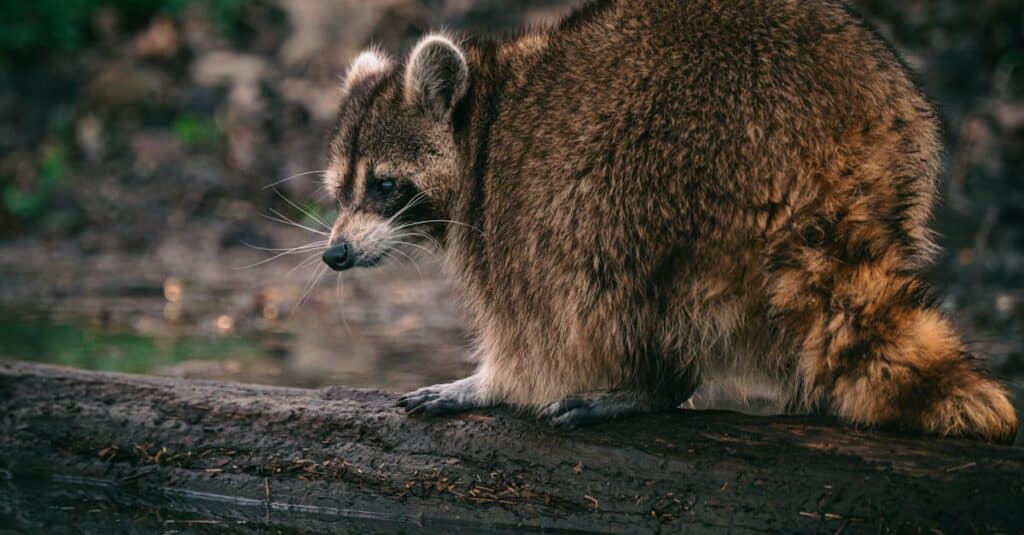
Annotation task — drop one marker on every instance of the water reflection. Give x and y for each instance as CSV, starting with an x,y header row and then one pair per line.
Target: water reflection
x,y
395,328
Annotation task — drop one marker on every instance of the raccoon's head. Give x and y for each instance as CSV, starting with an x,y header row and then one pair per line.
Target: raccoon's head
x,y
393,152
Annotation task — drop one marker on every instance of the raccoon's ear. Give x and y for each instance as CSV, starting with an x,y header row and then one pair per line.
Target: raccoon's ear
x,y
437,76
370,63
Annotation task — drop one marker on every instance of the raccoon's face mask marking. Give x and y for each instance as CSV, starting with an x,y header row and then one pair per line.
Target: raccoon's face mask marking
x,y
393,152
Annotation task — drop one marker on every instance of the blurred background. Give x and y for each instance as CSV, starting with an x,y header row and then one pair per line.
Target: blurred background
x,y
138,138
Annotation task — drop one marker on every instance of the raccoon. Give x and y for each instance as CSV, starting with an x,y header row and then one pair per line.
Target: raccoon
x,y
655,194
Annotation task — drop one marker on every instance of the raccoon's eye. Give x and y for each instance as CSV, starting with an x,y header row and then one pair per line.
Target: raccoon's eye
x,y
385,186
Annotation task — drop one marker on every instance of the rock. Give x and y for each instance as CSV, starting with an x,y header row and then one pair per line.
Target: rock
x,y
241,72
123,85
160,40
90,137
150,148
320,101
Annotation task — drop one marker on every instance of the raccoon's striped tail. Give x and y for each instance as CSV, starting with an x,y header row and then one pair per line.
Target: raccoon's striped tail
x,y
874,351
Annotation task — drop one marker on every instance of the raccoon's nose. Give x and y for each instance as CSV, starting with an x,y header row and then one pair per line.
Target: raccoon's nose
x,y
339,257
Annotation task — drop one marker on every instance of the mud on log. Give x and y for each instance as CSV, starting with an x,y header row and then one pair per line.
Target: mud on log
x,y
352,453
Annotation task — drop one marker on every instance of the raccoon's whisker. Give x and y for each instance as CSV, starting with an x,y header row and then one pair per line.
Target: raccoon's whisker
x,y
294,224
341,305
296,175
413,262
413,224
285,252
318,274
282,219
412,202
420,247
321,193
305,262
426,237
301,209
307,287
285,249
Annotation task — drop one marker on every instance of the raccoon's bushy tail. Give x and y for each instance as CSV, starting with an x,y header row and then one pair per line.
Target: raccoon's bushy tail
x,y
874,351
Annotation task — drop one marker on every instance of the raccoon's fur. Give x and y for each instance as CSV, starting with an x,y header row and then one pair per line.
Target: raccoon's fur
x,y
656,193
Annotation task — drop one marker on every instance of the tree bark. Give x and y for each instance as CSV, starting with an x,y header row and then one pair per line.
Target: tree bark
x,y
290,456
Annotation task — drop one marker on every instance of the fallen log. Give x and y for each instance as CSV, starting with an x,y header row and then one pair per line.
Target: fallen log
x,y
339,455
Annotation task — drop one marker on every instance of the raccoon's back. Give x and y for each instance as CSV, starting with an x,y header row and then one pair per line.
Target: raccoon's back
x,y
640,113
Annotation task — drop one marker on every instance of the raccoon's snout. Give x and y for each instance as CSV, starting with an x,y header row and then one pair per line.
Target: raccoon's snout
x,y
340,257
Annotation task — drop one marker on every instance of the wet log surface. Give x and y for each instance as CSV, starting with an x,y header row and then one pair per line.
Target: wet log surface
x,y
339,457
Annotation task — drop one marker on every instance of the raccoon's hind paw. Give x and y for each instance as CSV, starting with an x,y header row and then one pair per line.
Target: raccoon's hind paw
x,y
599,406
447,398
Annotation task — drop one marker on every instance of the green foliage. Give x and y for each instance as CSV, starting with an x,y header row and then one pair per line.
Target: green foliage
x,y
53,168
29,27
23,205
223,12
25,26
29,202
197,132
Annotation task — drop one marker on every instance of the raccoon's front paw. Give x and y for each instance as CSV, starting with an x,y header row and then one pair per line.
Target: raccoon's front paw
x,y
446,398
601,406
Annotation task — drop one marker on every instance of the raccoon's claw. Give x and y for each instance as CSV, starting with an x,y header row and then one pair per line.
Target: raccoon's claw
x,y
593,408
438,400
439,407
